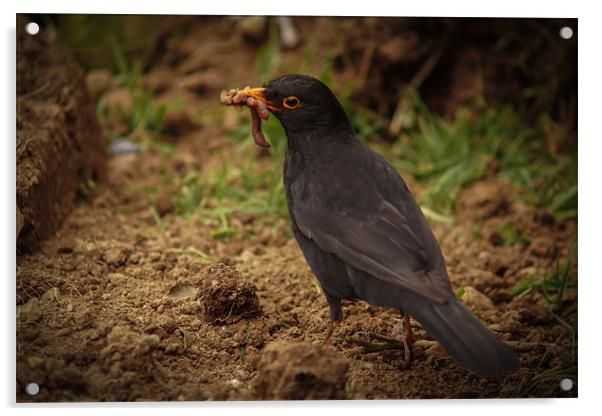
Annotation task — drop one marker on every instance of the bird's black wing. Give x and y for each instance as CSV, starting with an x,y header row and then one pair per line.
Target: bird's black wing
x,y
361,211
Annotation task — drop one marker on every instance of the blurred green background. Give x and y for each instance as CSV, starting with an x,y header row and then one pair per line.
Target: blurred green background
x,y
448,101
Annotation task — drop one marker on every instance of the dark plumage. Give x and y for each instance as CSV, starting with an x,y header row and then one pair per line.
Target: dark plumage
x,y
361,230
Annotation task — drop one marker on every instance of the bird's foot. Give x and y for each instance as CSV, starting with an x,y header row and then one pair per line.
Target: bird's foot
x,y
406,330
403,343
385,344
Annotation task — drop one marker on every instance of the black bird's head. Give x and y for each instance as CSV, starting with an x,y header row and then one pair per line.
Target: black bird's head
x,y
305,107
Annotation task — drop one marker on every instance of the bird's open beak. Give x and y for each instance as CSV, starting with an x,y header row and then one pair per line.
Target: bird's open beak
x,y
259,94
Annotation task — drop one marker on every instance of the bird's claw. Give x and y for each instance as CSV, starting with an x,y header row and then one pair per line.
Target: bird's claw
x,y
405,341
407,356
387,343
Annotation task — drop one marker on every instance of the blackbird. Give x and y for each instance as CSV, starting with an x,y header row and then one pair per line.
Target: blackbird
x,y
360,228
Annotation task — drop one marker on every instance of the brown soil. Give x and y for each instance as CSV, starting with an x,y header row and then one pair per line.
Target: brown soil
x,y
300,371
60,148
116,306
114,309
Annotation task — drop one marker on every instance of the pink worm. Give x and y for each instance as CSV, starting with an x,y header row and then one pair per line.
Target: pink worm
x,y
258,109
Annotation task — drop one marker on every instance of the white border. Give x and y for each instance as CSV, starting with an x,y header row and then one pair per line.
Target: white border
x,y
590,153
467,8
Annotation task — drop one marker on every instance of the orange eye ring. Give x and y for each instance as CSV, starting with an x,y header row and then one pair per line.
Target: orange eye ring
x,y
291,102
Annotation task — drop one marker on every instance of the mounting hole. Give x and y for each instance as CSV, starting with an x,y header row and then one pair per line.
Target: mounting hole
x,y
566,32
566,384
32,28
32,389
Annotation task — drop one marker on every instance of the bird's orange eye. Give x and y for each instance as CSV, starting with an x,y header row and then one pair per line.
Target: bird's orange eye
x,y
292,103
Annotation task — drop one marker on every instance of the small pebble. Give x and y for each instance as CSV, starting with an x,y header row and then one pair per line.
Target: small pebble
x,y
123,147
476,300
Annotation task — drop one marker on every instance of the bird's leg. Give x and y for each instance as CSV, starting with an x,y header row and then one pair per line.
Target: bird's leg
x,y
336,314
406,330
331,328
407,338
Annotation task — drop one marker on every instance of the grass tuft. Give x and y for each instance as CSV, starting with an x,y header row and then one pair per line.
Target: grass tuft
x,y
553,288
448,155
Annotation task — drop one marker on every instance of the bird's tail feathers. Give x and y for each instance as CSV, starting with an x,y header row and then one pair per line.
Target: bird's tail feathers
x,y
463,337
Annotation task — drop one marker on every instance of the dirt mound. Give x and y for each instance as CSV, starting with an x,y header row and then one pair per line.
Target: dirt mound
x,y
124,364
301,371
60,148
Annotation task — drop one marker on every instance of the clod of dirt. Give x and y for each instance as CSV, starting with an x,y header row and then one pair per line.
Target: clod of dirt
x,y
300,372
127,350
226,297
485,199
477,300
